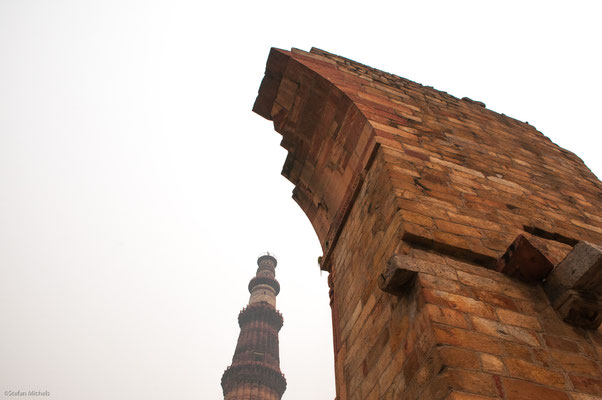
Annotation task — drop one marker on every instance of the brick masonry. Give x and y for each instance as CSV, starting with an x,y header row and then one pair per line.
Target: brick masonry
x,y
393,174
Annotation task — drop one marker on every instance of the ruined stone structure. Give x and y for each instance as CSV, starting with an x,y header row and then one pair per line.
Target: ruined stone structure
x,y
463,246
255,370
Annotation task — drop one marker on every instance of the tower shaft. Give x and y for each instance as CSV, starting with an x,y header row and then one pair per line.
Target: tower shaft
x,y
255,370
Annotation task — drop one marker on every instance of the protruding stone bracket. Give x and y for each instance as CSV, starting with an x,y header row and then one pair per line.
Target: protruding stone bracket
x,y
401,270
524,261
575,286
396,280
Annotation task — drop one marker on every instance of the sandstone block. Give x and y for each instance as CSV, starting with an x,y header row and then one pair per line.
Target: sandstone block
x,y
560,343
446,316
575,286
461,303
524,261
401,271
456,395
503,331
471,381
516,389
535,373
518,319
492,364
467,339
459,358
576,363
587,384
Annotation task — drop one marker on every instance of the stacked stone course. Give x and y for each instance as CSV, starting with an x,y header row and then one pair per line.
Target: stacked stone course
x,y
440,221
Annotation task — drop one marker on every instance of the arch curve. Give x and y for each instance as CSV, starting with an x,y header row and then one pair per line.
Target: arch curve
x,y
306,100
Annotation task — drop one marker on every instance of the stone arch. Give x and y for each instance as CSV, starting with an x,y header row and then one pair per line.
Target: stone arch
x,y
416,196
307,102
447,159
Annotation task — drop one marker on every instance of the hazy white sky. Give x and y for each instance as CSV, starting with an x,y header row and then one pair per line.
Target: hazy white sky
x,y
137,188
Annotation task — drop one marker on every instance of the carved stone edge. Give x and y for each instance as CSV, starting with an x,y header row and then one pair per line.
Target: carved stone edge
x,y
574,286
401,271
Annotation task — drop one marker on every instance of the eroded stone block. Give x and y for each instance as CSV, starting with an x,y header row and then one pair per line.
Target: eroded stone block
x,y
397,276
401,270
524,261
574,287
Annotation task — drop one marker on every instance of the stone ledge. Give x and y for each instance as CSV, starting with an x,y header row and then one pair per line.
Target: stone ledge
x,y
401,271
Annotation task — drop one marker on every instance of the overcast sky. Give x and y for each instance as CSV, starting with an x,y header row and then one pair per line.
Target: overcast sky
x,y
137,188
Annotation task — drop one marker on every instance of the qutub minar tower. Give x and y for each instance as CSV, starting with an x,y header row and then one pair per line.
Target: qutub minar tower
x,y
255,370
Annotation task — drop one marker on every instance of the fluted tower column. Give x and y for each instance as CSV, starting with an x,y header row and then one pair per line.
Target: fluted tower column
x,y
255,370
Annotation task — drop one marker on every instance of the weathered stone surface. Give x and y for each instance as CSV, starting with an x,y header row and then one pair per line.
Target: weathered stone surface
x,y
518,319
580,310
459,358
492,364
575,286
576,363
416,193
587,384
516,389
524,261
580,270
535,373
401,271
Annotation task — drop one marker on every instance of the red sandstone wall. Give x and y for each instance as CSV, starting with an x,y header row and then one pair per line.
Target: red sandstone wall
x,y
384,167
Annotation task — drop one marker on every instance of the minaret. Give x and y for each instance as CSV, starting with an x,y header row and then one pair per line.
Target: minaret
x,y
255,370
